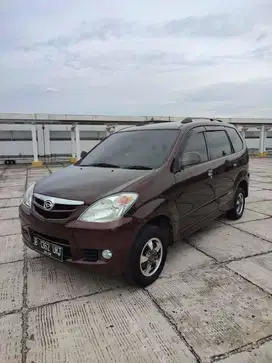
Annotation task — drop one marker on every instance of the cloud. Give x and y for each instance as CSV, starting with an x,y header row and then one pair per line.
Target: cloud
x,y
51,90
98,30
233,23
240,98
121,58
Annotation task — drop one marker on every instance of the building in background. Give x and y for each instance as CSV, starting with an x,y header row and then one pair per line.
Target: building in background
x,y
61,138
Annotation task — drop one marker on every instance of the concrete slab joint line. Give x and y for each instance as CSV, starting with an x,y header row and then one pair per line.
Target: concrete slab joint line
x,y
256,269
168,318
145,335
193,305
260,349
259,354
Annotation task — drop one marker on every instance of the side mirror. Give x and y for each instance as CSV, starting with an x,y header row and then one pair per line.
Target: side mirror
x,y
83,154
189,159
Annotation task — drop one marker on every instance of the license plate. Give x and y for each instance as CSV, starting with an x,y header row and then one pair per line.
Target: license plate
x,y
48,248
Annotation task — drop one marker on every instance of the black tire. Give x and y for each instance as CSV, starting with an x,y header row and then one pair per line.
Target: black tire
x,y
134,274
237,212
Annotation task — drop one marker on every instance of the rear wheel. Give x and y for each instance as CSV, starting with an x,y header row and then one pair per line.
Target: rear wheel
x,y
147,256
239,205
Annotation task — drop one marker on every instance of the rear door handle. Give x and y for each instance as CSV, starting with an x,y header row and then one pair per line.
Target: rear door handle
x,y
230,165
210,173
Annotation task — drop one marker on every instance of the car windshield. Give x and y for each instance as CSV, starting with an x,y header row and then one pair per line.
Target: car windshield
x,y
143,149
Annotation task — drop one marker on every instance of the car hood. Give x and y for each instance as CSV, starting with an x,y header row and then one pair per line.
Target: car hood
x,y
87,183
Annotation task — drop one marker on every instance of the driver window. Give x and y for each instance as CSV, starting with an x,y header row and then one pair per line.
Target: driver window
x,y
195,151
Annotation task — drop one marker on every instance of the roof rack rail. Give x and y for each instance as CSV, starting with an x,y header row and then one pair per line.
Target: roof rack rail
x,y
151,121
144,123
191,119
216,119
187,120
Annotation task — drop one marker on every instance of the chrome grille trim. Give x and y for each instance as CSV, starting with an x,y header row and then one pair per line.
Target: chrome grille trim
x,y
58,200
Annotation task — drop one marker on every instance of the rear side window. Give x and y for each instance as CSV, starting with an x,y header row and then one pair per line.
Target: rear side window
x,y
235,139
218,144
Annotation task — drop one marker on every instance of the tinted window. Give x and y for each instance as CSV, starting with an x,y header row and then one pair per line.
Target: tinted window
x,y
218,144
146,148
196,144
235,139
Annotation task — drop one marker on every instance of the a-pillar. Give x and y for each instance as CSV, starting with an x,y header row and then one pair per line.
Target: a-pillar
x,y
36,161
78,149
262,148
73,158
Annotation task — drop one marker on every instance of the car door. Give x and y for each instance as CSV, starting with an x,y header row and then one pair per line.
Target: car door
x,y
195,198
222,156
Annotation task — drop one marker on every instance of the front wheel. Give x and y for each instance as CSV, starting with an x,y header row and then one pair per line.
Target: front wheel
x,y
239,205
147,256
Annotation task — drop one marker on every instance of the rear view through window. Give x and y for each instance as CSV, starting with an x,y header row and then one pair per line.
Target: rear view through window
x,y
218,144
235,139
143,149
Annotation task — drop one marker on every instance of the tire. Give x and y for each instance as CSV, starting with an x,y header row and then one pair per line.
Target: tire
x,y
239,205
137,273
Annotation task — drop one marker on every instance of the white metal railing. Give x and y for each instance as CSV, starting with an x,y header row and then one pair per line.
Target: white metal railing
x,y
40,125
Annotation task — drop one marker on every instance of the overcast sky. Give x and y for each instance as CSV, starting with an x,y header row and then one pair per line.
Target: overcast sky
x,y
128,57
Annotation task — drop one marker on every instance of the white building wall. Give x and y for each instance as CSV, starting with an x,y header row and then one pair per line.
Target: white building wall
x,y
64,147
51,139
16,148
56,139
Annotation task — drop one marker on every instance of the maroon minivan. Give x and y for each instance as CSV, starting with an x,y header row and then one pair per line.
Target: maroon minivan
x,y
143,188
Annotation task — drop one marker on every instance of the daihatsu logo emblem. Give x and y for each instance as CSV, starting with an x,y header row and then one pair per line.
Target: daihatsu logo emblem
x,y
48,205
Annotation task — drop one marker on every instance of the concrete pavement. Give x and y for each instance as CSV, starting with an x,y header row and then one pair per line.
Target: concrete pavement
x,y
213,301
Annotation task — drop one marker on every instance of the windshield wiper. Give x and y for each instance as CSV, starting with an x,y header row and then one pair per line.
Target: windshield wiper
x,y
104,165
137,167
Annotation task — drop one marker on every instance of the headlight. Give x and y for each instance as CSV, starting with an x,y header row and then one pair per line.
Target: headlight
x,y
110,208
28,196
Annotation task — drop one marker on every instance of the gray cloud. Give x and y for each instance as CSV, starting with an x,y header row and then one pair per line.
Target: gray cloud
x,y
262,36
132,60
120,58
262,52
219,25
215,25
224,24
51,90
234,98
98,30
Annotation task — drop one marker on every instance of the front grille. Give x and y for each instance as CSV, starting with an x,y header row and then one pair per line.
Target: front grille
x,y
58,211
53,214
90,254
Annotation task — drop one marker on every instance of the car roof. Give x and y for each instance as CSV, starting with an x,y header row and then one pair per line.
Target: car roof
x,y
175,125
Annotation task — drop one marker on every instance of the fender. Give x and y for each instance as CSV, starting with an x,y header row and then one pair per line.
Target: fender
x,y
243,175
157,208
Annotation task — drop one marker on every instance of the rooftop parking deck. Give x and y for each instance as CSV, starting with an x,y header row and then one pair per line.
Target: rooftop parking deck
x,y
213,301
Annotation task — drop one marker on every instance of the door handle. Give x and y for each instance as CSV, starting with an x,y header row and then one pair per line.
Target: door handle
x,y
231,164
210,173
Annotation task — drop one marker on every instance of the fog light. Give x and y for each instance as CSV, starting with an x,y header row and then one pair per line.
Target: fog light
x,y
107,254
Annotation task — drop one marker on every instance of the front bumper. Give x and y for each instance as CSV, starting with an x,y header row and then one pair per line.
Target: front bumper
x,y
83,242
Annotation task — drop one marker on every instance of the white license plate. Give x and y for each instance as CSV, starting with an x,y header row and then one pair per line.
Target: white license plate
x,y
48,248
